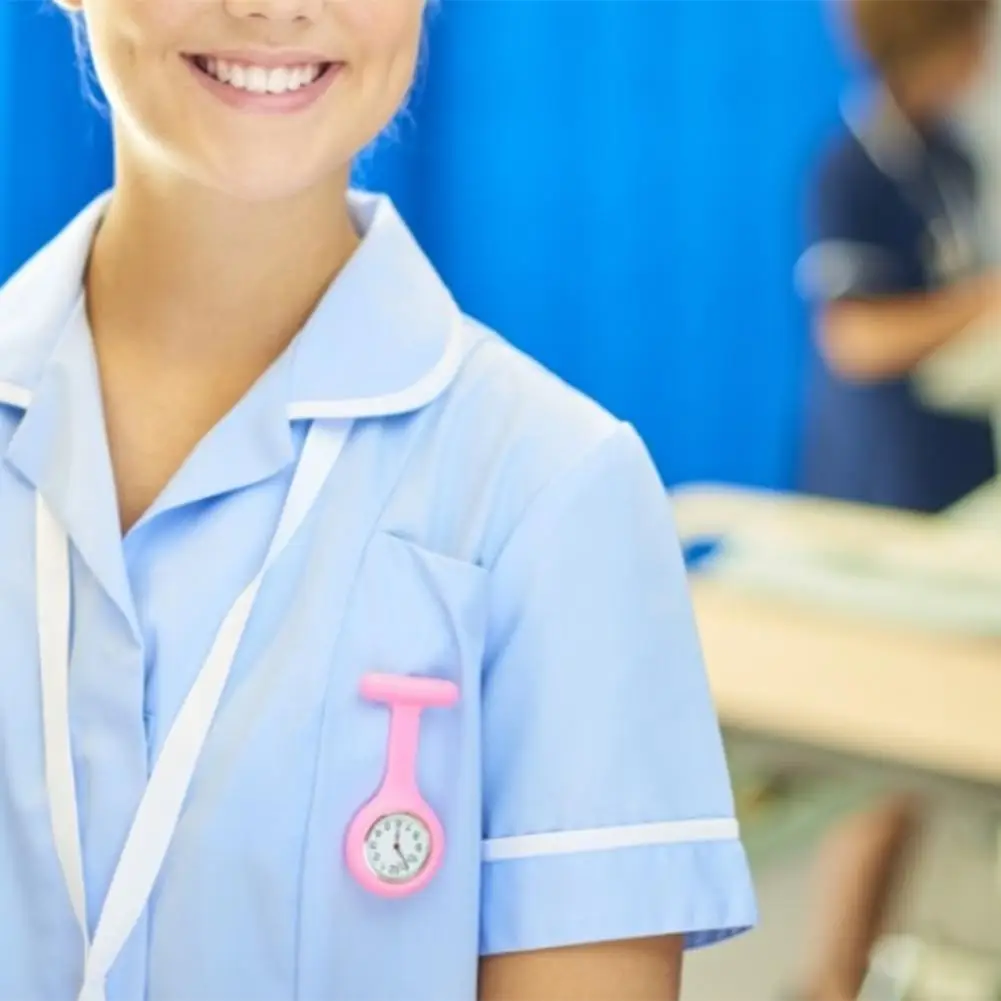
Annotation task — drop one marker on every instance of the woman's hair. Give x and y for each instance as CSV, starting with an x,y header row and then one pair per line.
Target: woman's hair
x,y
88,79
895,34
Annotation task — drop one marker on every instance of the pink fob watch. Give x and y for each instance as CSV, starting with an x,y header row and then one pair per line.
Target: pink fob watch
x,y
395,843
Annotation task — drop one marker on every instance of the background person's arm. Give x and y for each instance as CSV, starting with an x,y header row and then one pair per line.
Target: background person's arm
x,y
882,338
880,307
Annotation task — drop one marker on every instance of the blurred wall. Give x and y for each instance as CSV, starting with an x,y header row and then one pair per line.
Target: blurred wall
x,y
615,185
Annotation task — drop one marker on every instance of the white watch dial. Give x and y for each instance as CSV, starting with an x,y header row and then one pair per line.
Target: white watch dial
x,y
398,847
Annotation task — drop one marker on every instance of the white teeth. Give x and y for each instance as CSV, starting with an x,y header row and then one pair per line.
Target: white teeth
x,y
260,79
257,80
279,81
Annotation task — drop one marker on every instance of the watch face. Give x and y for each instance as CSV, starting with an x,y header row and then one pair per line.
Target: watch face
x,y
398,847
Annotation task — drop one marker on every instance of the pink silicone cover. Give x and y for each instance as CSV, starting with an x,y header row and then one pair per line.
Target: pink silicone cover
x,y
406,698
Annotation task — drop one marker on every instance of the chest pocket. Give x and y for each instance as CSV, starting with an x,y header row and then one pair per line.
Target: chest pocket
x,y
415,613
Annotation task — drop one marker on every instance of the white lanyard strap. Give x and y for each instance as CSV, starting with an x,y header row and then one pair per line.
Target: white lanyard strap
x,y
957,211
159,809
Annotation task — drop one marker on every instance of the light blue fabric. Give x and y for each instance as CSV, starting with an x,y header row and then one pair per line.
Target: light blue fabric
x,y
484,524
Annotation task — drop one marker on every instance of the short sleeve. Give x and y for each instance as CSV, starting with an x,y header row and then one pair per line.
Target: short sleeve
x,y
608,811
865,238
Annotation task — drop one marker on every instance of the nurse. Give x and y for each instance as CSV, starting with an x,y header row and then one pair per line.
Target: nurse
x,y
347,652
894,272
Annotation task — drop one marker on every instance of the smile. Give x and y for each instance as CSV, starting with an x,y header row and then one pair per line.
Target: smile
x,y
272,86
261,79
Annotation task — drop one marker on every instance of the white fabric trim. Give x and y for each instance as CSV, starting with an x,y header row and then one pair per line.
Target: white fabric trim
x,y
426,389
833,268
15,396
604,839
883,131
29,308
159,810
52,582
895,146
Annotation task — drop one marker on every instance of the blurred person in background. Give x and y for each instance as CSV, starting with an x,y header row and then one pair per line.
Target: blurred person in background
x,y
894,272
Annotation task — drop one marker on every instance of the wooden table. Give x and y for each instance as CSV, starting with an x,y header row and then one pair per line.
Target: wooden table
x,y
927,703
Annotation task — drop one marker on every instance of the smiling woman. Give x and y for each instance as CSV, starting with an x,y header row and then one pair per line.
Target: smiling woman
x,y
345,644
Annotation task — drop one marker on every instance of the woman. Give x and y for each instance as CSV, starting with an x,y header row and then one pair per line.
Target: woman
x,y
348,652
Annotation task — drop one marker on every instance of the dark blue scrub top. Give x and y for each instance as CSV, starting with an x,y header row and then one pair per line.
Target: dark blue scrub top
x,y
892,212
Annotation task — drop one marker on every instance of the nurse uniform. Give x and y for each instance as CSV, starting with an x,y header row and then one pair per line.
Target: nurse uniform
x,y
191,717
893,213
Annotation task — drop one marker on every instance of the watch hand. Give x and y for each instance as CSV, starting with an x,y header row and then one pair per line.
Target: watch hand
x,y
402,858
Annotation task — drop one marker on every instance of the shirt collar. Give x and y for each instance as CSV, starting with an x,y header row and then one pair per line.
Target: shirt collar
x,y
386,338
883,131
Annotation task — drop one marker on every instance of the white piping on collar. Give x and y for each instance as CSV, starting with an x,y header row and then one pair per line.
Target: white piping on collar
x,y
426,389
420,393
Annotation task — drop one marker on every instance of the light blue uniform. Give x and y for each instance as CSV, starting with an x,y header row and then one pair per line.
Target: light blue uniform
x,y
480,523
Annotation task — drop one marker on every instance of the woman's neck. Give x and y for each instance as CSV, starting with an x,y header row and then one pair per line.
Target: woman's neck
x,y
190,272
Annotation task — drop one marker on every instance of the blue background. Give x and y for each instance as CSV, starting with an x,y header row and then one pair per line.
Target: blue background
x,y
614,184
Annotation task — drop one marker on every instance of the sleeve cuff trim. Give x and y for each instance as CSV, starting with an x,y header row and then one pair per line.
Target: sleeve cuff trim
x,y
610,838
836,268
